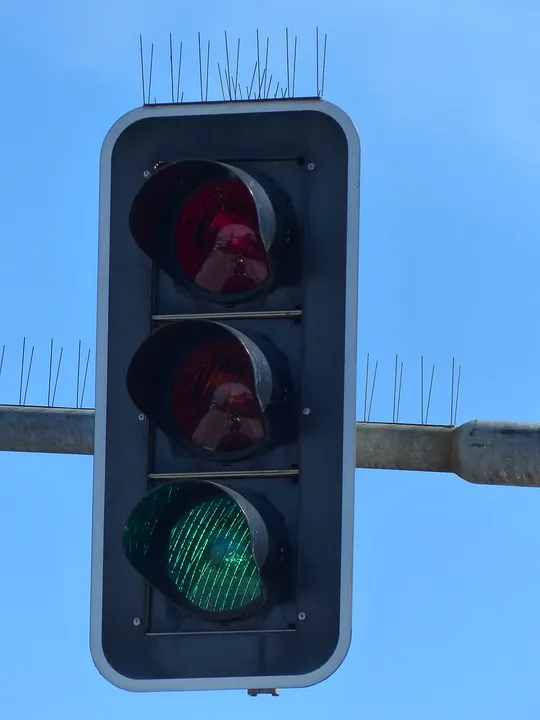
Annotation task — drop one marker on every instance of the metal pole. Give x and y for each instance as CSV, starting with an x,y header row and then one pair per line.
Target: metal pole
x,y
68,431
479,451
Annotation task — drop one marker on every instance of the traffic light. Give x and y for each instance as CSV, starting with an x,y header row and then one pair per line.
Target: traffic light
x,y
225,396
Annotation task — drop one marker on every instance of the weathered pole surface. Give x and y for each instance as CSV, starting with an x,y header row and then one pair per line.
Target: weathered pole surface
x,y
69,431
480,451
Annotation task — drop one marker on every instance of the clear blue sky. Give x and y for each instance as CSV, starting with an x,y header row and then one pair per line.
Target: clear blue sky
x,y
446,98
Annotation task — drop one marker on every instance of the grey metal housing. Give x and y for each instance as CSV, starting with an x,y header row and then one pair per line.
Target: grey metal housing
x,y
323,135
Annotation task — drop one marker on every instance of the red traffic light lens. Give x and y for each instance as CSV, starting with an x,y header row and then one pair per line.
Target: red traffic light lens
x,y
214,398
217,240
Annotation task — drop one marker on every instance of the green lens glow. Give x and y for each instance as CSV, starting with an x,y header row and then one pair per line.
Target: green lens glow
x,y
210,559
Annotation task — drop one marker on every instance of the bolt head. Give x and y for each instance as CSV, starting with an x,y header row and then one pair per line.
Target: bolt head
x,y
301,615
311,166
146,174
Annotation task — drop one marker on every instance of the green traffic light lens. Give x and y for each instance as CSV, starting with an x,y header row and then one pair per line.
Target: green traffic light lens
x,y
204,546
210,558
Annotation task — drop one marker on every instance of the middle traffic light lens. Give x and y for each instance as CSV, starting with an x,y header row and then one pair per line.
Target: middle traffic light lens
x,y
217,238
210,558
214,398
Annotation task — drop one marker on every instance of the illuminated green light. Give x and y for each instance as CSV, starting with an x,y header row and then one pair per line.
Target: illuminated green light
x,y
210,559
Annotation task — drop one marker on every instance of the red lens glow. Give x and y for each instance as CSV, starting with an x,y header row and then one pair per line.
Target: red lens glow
x,y
217,239
214,399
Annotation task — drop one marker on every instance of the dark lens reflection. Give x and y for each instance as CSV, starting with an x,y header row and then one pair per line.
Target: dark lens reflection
x,y
214,399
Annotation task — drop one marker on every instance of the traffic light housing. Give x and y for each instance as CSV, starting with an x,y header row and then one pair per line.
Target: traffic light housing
x,y
225,396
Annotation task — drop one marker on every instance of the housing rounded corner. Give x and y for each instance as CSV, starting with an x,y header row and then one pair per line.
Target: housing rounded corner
x,y
344,122
331,665
107,671
115,131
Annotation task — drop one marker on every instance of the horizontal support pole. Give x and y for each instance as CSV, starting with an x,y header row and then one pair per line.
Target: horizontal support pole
x,y
479,451
67,431
396,446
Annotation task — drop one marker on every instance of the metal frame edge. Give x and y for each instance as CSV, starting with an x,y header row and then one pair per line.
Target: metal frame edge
x,y
349,415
